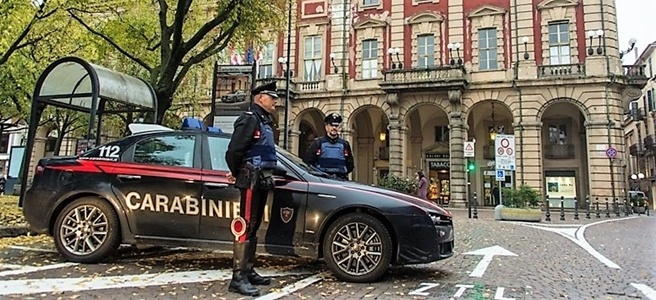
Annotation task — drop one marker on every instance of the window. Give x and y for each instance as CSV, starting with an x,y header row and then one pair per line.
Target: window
x,y
266,62
487,49
650,100
426,51
634,109
312,58
4,143
441,133
218,147
369,59
175,151
557,134
369,2
559,43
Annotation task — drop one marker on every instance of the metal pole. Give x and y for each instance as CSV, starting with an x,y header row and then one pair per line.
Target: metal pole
x,y
215,79
288,76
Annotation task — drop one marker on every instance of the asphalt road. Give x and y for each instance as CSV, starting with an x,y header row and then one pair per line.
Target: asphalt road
x,y
597,258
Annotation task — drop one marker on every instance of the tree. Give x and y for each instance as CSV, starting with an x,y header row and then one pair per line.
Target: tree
x,y
167,38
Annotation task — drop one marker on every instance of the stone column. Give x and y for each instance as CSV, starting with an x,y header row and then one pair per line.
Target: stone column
x,y
603,174
293,142
397,139
364,161
529,168
458,173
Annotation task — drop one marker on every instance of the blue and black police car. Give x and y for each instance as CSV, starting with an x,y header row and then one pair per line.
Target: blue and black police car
x,y
161,186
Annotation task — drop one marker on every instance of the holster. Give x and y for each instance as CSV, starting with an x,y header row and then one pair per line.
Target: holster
x,y
254,178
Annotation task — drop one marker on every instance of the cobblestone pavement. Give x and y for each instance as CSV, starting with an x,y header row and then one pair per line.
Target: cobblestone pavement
x,y
616,259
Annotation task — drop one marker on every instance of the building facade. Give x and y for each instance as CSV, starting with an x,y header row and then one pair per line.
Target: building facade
x,y
640,134
416,79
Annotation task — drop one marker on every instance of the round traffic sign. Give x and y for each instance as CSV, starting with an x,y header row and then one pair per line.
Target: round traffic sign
x,y
611,152
500,151
505,143
509,151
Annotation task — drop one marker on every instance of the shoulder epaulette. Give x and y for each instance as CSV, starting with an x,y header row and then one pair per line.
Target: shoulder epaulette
x,y
248,112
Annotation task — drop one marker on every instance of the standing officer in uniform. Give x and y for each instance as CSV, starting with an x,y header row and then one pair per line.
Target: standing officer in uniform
x,y
330,153
251,157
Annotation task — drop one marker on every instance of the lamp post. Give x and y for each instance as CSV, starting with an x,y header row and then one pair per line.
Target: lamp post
x,y
398,64
455,46
525,41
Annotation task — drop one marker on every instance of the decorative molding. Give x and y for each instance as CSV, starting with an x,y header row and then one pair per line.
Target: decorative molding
x,y
557,3
423,17
486,10
369,23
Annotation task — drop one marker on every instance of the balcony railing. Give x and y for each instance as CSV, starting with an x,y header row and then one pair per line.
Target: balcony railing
x,y
309,86
564,151
571,70
634,72
424,78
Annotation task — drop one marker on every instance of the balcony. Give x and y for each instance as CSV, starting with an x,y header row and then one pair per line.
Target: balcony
x,y
281,85
429,79
488,152
565,151
636,150
311,86
650,142
635,75
560,71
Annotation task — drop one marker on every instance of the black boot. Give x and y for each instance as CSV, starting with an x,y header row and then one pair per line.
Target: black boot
x,y
239,282
253,277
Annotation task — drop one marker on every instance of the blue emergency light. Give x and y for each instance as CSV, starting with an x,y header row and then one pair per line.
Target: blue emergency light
x,y
189,123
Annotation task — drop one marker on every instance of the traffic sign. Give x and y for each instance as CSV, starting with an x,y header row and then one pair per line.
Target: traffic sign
x,y
611,152
501,175
469,149
504,150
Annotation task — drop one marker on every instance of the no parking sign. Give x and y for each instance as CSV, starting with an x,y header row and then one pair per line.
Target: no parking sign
x,y
504,150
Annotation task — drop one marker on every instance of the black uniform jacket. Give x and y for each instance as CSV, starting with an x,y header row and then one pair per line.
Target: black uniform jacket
x,y
311,155
242,136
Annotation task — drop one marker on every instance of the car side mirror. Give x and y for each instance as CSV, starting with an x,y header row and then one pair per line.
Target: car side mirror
x,y
279,171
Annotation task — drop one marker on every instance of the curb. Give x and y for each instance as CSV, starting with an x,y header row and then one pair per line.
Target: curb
x,y
13,231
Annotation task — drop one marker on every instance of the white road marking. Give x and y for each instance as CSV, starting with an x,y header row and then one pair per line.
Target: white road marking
x,y
488,253
29,269
299,285
649,292
577,236
48,285
32,249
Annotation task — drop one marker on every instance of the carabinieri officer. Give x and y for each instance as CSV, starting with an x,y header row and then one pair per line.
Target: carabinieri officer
x,y
330,153
251,157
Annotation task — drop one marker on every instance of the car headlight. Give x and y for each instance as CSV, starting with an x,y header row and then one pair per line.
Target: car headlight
x,y
439,219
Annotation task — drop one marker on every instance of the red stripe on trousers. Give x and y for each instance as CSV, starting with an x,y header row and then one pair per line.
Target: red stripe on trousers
x,y
247,213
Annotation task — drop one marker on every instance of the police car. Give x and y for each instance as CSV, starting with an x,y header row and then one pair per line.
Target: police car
x,y
161,186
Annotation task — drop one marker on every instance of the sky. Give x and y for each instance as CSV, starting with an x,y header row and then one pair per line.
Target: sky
x,y
634,21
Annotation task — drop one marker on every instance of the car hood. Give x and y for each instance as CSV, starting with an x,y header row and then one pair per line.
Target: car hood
x,y
409,199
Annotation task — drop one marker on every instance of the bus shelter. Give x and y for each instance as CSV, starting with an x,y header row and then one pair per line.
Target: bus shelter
x,y
76,84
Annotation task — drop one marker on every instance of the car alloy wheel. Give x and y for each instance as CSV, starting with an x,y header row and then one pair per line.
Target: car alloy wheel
x,y
358,248
87,230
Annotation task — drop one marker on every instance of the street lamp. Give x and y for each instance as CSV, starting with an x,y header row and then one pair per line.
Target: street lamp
x,y
632,43
525,41
398,64
39,4
456,46
332,61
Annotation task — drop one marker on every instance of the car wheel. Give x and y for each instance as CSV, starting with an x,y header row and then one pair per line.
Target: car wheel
x,y
357,248
87,230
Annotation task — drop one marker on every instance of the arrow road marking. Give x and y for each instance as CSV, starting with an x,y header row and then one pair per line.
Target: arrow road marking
x,y
488,253
649,292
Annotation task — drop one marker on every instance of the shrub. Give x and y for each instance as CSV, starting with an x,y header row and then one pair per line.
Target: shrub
x,y
524,197
400,184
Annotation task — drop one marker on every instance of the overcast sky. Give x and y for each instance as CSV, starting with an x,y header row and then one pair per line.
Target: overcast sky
x,y
634,19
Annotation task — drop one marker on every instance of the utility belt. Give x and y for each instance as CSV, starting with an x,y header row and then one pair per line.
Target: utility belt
x,y
254,178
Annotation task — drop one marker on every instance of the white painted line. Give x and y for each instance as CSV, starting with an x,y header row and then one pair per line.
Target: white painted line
x,y
577,236
10,266
32,249
30,269
649,292
488,253
299,285
49,285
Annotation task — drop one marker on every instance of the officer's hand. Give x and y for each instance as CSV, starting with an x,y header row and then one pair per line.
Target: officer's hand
x,y
231,178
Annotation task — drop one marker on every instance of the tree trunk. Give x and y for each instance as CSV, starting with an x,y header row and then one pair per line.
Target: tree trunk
x,y
164,99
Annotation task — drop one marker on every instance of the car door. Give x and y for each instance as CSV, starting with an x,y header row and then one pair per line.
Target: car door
x,y
159,183
284,215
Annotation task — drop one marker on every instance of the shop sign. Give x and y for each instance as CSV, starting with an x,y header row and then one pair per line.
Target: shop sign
x,y
436,155
439,165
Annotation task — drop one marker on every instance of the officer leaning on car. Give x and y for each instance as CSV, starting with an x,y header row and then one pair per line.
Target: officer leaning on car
x,y
251,157
330,153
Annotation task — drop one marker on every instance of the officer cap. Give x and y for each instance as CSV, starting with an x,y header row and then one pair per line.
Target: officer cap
x,y
333,119
268,89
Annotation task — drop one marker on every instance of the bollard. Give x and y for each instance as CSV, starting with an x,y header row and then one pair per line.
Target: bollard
x,y
617,208
576,209
607,209
587,207
597,207
469,208
475,207
562,209
548,213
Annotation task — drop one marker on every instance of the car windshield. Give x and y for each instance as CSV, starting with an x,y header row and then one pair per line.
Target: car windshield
x,y
301,164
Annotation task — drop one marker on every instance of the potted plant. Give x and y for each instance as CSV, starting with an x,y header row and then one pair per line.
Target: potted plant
x,y
522,204
400,184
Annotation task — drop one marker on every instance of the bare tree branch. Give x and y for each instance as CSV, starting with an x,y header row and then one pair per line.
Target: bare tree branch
x,y
211,24
218,44
165,49
111,42
180,13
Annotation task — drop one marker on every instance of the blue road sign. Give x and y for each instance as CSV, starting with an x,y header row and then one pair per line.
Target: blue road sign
x,y
501,175
611,152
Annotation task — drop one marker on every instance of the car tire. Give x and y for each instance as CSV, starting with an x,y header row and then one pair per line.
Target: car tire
x,y
87,230
357,259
